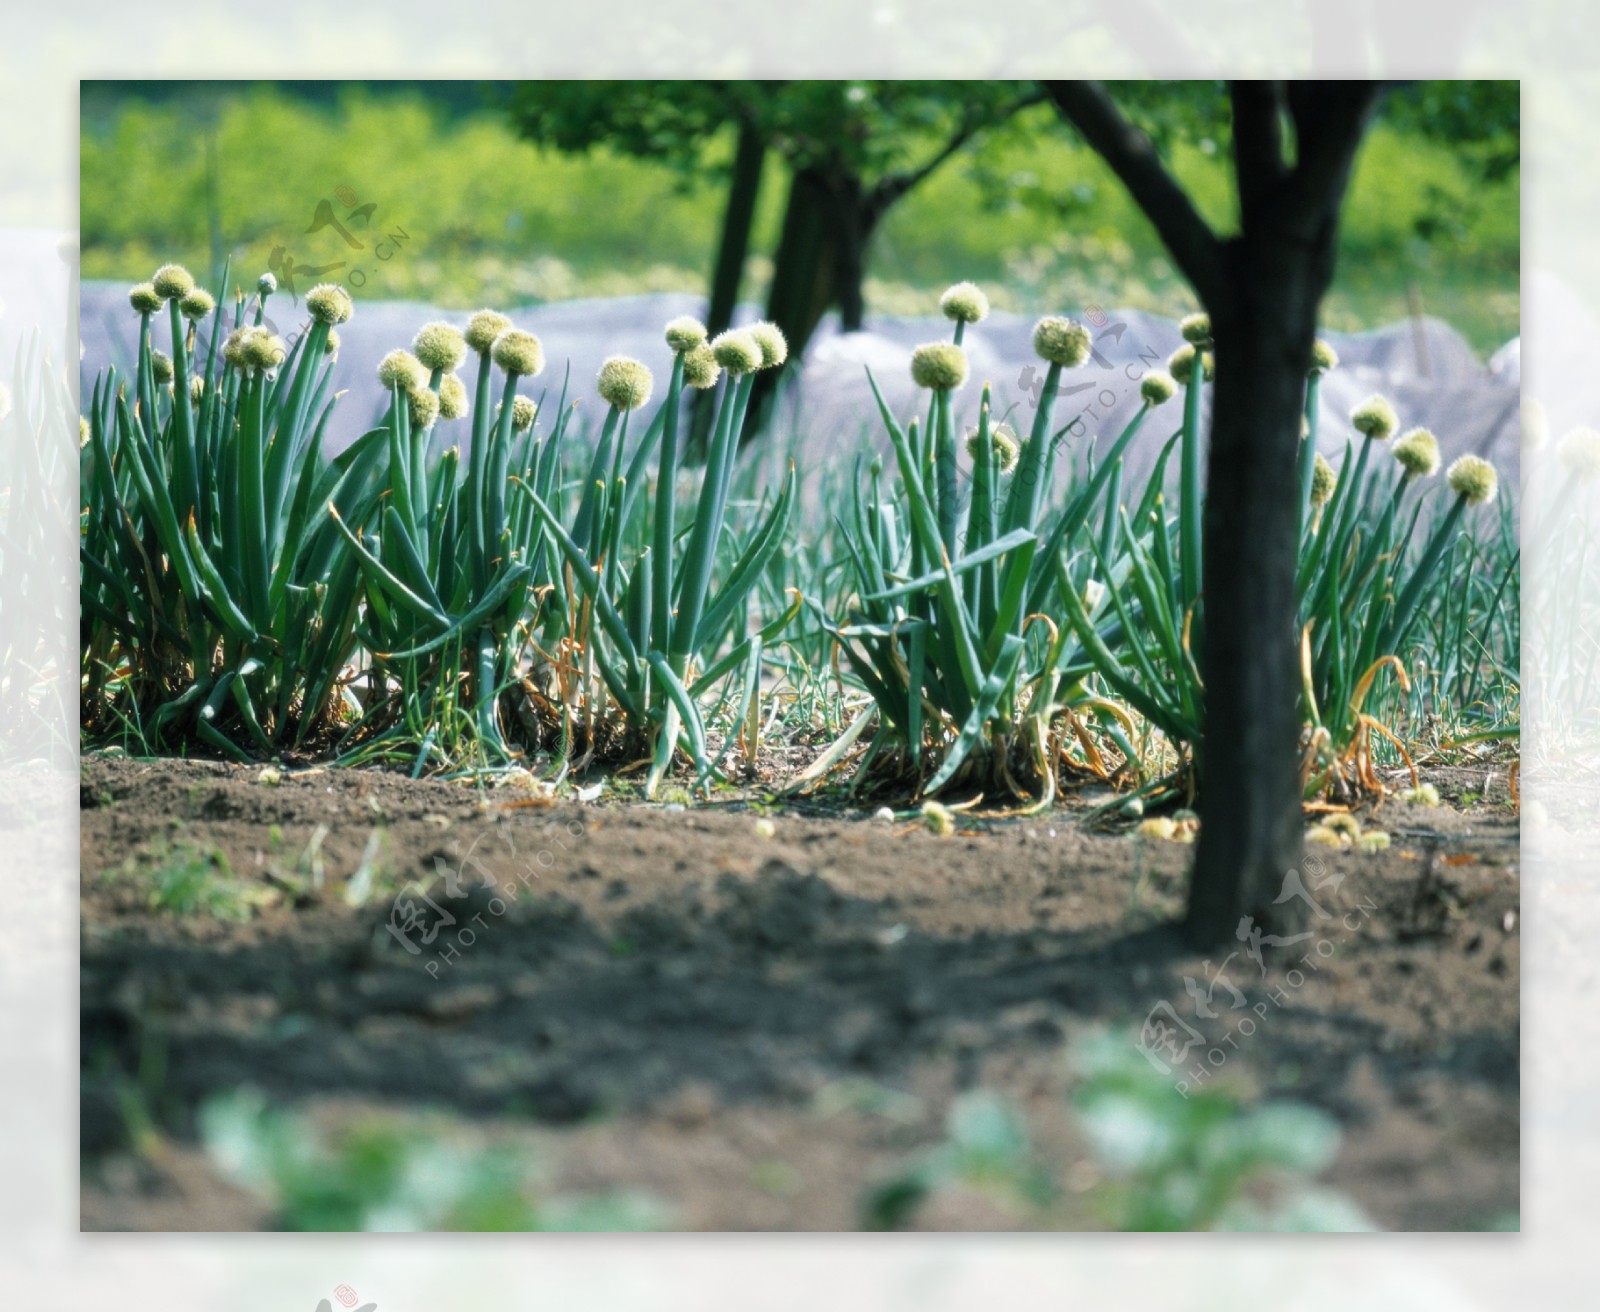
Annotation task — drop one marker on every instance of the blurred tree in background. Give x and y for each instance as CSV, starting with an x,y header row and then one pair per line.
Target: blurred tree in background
x,y
852,151
187,170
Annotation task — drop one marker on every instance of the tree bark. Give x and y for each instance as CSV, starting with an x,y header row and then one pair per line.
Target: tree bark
x,y
1264,319
802,268
1250,828
804,278
856,219
734,245
743,189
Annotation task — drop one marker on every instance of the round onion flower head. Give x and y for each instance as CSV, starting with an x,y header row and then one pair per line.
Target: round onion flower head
x,y
144,298
331,346
1535,426
774,345
232,347
1324,359
1196,329
523,413
329,303
624,383
161,366
172,282
197,388
737,351
1418,453
964,303
1157,388
262,350
1002,441
423,405
1473,479
1061,341
266,284
452,397
518,353
685,333
940,366
483,327
1323,481
700,367
197,304
1180,364
1580,452
439,346
1375,418
403,370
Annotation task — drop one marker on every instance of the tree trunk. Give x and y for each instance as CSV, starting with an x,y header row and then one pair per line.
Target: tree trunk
x,y
1262,290
804,277
1250,825
1264,318
856,220
734,245
737,219
802,269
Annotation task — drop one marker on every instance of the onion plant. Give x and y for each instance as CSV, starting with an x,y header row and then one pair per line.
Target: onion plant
x,y
971,680
451,571
218,600
993,620
1368,576
1149,565
658,623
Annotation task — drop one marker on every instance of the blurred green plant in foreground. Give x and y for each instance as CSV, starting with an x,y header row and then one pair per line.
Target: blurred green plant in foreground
x,y
385,1173
1164,1161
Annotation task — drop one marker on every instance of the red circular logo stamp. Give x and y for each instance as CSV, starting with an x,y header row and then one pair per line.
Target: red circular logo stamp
x,y
345,1295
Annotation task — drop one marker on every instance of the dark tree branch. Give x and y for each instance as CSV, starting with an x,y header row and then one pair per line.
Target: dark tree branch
x,y
1330,119
891,188
1132,157
1258,163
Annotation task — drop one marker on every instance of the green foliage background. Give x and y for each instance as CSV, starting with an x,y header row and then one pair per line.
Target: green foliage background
x,y
1032,213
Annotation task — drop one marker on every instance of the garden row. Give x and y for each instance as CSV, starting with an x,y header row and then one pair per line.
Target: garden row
x,y
967,616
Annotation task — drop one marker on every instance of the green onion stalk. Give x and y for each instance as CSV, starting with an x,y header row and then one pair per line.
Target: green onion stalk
x,y
661,621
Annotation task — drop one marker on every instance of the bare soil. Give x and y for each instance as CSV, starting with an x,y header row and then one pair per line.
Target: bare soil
x,y
688,1003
